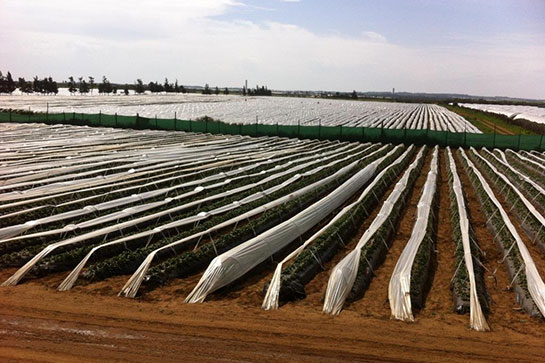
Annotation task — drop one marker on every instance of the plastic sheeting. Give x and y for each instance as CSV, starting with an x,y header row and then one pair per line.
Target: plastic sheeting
x,y
399,289
131,287
503,161
529,206
343,275
11,231
477,320
273,292
16,277
234,263
536,287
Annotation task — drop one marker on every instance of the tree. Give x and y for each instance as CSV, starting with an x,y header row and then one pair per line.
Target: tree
x,y
83,86
139,89
24,86
72,85
176,87
168,87
126,90
354,94
91,83
37,85
226,91
105,86
52,86
10,84
217,91
206,90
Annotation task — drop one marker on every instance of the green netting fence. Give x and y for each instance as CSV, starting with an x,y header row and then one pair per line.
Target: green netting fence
x,y
408,136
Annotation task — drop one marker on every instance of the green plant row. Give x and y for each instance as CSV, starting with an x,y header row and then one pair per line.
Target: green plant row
x,y
192,261
533,228
33,246
424,259
118,259
206,193
504,239
310,261
528,170
460,281
375,250
527,188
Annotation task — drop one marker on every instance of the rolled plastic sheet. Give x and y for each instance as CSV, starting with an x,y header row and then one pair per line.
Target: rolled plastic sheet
x,y
131,287
399,289
234,263
477,319
343,275
536,287
273,292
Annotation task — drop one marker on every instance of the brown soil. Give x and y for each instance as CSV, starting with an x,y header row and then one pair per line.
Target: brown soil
x,y
503,306
375,300
90,323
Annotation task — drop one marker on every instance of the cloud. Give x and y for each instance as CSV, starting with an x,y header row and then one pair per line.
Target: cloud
x,y
125,40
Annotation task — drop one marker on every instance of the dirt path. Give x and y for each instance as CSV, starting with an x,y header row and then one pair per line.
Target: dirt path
x,y
439,299
42,325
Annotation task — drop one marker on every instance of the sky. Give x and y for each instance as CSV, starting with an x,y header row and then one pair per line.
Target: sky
x,y
479,47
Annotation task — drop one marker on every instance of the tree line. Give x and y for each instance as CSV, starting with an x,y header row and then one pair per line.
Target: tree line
x,y
87,85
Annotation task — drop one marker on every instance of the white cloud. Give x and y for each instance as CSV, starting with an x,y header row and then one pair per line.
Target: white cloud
x,y
133,39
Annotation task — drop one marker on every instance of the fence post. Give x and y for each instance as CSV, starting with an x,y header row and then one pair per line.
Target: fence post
x,y
190,128
320,129
47,113
277,128
116,119
175,122
100,117
494,138
363,133
64,117
155,121
73,117
341,132
465,139
136,121
518,144
10,115
256,122
298,128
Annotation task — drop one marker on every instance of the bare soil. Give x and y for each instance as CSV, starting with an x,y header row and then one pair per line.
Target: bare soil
x,y
92,324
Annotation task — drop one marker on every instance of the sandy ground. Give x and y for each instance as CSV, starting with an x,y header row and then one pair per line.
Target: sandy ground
x,y
90,323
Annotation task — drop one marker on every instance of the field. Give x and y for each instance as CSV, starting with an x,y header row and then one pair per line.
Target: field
x,y
248,110
532,113
297,249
